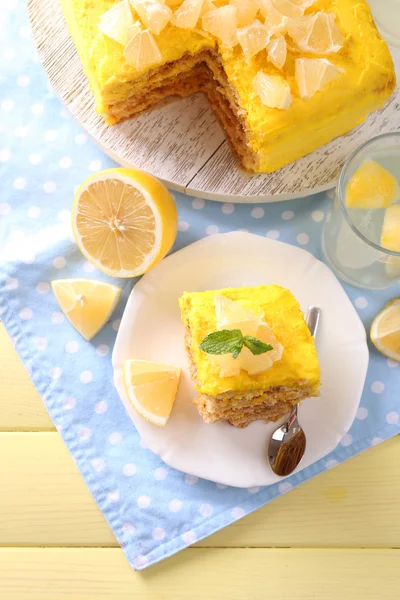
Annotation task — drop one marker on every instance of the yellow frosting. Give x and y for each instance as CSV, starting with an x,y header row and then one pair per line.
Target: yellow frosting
x,y
299,362
277,136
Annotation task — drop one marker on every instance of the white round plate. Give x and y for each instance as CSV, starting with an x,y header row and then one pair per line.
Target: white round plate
x,y
151,329
181,143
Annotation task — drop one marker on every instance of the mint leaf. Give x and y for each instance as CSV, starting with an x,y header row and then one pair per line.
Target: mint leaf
x,y
226,341
256,346
231,341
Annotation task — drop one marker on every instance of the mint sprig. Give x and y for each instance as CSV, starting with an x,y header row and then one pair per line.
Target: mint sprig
x,y
231,341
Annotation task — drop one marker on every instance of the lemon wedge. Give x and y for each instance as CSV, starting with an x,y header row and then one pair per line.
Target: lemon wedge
x,y
385,330
124,221
151,389
390,239
88,304
372,186
316,33
273,91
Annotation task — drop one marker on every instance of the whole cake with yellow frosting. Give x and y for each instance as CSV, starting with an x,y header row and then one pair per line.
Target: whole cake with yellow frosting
x,y
284,77
250,352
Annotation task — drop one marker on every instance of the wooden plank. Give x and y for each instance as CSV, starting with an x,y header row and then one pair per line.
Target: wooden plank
x,y
234,574
44,501
21,407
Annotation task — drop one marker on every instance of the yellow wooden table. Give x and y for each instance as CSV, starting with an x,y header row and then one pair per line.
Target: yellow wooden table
x,y
336,537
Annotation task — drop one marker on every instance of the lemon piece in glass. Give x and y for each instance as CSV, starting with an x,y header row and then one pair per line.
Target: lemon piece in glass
x,y
385,330
390,239
88,304
372,186
312,74
151,388
316,33
124,221
273,91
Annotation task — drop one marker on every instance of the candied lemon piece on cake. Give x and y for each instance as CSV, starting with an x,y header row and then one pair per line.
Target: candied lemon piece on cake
x,y
88,304
385,330
316,33
153,14
222,23
274,91
277,51
188,13
312,74
246,11
124,221
274,19
115,22
230,314
372,186
142,50
151,388
253,38
292,8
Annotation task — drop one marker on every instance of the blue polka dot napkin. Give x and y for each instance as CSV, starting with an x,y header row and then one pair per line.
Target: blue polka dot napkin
x,y
153,510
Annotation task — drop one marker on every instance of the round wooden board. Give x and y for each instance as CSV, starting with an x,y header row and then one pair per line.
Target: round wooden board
x,y
181,142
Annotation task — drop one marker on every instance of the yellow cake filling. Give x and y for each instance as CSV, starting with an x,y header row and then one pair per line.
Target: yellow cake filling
x,y
299,362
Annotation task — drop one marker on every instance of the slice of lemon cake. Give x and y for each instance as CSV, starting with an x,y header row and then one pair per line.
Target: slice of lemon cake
x,y
250,352
284,77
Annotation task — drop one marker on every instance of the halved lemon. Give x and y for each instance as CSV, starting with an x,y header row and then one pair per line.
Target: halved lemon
x,y
385,330
372,186
124,221
151,389
88,304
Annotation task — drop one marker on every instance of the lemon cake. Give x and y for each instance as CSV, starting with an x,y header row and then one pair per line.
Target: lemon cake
x,y
283,77
250,352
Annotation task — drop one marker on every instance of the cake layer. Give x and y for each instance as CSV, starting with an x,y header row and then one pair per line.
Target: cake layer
x,y
240,409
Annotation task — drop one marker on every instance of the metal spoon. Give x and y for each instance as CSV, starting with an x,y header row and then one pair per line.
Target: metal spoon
x,y
288,442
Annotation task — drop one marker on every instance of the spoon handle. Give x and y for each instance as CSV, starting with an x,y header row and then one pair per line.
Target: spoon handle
x,y
312,319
